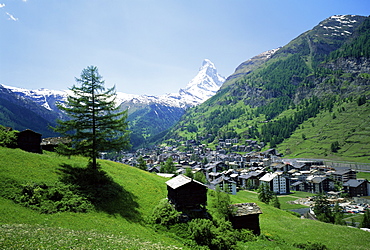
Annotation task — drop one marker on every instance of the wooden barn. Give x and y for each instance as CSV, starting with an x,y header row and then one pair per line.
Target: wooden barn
x,y
187,193
30,141
246,215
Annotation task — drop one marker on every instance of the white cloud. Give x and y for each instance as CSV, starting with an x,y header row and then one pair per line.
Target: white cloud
x,y
2,5
11,17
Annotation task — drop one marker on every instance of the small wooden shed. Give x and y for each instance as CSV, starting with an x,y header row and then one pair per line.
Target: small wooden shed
x,y
30,141
187,193
246,215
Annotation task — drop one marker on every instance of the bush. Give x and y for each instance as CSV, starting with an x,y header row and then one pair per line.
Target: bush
x,y
52,199
215,235
245,235
164,214
8,138
202,231
311,246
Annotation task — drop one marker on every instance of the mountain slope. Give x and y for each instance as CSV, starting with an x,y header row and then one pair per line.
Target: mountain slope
x,y
150,116
20,114
309,75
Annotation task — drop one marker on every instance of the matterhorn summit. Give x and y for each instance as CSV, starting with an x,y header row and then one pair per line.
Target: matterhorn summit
x,y
204,85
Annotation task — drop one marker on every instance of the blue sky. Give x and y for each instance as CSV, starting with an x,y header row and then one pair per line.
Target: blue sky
x,y
147,46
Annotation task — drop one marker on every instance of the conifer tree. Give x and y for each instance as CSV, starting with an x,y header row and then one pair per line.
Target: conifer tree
x,y
264,193
141,164
95,123
366,219
276,202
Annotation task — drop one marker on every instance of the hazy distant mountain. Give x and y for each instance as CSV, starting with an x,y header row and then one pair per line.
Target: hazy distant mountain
x,y
22,113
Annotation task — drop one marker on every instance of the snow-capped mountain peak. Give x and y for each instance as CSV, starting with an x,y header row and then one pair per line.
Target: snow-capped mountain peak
x,y
205,84
44,97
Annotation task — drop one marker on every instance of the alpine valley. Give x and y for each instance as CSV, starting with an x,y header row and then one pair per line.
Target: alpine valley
x,y
148,116
308,98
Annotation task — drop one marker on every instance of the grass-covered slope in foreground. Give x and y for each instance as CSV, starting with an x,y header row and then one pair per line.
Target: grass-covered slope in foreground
x,y
121,229
283,227
123,226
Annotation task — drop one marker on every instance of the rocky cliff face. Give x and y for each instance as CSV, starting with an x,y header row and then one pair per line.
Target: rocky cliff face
x,y
248,66
306,51
350,76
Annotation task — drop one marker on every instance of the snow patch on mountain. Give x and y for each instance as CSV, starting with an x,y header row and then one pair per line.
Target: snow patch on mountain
x,y
44,97
204,85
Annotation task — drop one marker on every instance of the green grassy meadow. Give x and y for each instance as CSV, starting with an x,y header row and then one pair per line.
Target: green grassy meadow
x,y
284,227
348,124
124,226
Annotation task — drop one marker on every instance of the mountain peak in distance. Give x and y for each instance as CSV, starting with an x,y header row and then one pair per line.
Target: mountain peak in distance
x,y
205,84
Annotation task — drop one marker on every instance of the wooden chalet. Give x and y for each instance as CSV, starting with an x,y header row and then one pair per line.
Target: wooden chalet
x,y
356,188
319,184
344,174
246,215
29,141
186,193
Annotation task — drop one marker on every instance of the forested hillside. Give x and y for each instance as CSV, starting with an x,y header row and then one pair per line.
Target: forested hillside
x,y
323,71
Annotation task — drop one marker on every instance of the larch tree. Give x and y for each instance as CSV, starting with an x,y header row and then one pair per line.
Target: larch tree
x,y
264,193
95,124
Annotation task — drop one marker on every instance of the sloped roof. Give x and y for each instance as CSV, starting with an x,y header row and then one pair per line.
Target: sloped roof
x,y
342,171
242,209
353,183
181,180
268,177
318,179
296,183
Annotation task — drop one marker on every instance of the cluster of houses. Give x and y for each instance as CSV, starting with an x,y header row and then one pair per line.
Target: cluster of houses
x,y
233,171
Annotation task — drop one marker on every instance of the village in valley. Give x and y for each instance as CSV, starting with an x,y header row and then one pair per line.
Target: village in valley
x,y
232,168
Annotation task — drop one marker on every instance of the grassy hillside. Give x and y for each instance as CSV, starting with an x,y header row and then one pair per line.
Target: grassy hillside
x,y
123,225
122,228
348,124
284,227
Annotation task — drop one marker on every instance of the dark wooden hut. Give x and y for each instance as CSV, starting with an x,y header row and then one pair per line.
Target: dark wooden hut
x,y
246,215
187,193
30,141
